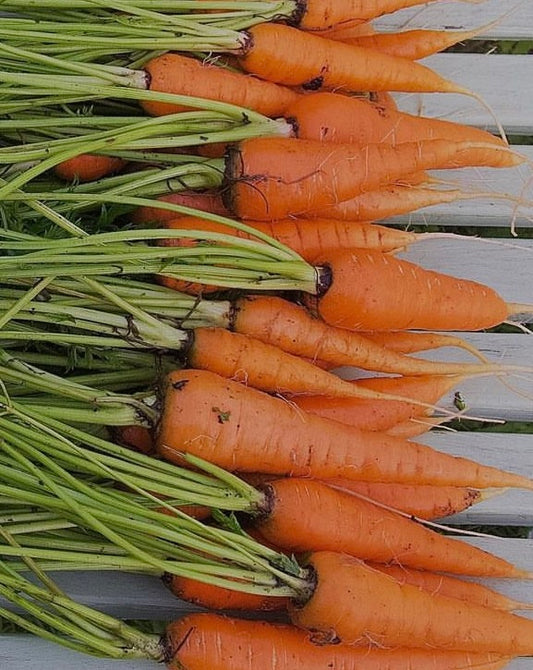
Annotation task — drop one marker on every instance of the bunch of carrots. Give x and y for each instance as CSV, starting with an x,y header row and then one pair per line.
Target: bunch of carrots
x,y
263,171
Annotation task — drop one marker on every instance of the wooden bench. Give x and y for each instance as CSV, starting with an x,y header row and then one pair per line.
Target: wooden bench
x,y
506,82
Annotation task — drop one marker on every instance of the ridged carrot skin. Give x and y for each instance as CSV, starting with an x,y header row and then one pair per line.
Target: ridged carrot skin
x,y
308,237
308,515
88,167
244,430
330,117
315,62
422,501
174,73
381,415
219,598
264,366
274,177
375,291
452,587
206,641
360,604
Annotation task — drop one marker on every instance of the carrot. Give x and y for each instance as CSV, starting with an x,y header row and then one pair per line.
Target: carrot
x,y
220,598
413,44
136,437
272,178
308,515
208,201
309,237
329,117
421,501
363,294
424,502
389,201
264,366
407,342
244,430
88,167
380,415
359,604
321,15
291,328
205,640
453,587
315,62
178,74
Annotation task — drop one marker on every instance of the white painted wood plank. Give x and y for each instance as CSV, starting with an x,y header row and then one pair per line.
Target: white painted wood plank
x,y
517,25
505,82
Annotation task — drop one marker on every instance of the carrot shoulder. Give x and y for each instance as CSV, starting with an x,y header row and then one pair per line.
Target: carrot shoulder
x,y
245,430
360,604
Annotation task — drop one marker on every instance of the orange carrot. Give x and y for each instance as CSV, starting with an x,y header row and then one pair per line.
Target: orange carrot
x,y
315,62
88,167
220,598
208,201
204,641
320,15
363,295
174,73
329,117
424,502
452,587
291,328
386,202
136,437
308,515
272,178
264,366
407,342
308,237
412,44
380,415
359,604
245,430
